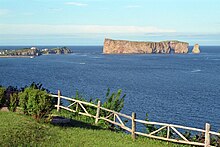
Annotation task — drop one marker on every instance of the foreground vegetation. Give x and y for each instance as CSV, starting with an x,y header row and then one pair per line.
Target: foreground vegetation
x,y
36,101
20,130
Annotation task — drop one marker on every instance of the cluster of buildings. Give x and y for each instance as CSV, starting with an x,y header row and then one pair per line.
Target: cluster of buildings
x,y
34,51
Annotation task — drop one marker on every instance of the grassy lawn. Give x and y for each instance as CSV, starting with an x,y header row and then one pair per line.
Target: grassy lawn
x,y
20,130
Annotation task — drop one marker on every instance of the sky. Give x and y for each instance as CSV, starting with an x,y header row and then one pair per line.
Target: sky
x,y
89,22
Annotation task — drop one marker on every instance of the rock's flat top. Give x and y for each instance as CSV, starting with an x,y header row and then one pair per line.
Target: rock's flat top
x,y
135,47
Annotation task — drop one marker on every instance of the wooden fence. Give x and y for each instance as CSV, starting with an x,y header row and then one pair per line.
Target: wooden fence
x,y
117,119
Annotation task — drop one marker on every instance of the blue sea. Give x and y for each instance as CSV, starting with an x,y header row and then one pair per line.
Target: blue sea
x,y
173,88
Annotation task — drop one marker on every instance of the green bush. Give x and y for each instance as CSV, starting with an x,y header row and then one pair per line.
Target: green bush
x,y
13,102
23,99
90,110
36,102
10,90
149,127
2,96
113,101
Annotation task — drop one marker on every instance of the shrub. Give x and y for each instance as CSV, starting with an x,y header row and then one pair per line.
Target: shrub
x,y
39,86
149,127
2,96
90,110
113,101
5,95
23,99
36,102
13,102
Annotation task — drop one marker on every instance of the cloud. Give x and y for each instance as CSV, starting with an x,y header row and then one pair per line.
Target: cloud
x,y
133,6
72,29
4,12
55,9
76,4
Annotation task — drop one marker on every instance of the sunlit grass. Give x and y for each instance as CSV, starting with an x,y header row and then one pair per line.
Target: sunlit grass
x,y
20,130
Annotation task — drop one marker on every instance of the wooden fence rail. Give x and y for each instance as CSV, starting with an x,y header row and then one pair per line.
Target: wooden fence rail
x,y
115,118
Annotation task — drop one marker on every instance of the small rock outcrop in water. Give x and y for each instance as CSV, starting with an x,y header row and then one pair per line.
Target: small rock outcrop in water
x,y
134,47
58,50
196,49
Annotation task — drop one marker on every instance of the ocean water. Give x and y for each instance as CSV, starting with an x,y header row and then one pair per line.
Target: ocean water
x,y
179,89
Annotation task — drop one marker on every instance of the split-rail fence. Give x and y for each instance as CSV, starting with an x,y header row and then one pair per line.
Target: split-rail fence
x,y
118,121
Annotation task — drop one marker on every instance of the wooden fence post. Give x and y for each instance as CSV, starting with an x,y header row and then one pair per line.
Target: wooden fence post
x,y
58,101
207,135
168,132
133,126
97,112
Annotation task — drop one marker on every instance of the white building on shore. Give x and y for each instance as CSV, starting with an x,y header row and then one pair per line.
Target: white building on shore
x,y
33,48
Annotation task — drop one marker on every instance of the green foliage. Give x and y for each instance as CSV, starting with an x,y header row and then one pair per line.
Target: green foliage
x,y
9,91
214,140
149,128
114,101
13,102
188,135
36,102
37,86
2,96
78,108
23,100
162,133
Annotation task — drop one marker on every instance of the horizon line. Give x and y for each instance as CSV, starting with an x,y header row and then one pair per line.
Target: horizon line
x,y
77,45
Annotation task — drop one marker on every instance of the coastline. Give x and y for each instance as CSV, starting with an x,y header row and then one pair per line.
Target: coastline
x,y
17,56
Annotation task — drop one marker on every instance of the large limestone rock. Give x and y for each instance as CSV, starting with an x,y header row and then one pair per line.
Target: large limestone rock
x,y
134,47
196,49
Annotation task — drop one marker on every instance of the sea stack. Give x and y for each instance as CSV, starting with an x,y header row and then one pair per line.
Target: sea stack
x,y
196,49
135,47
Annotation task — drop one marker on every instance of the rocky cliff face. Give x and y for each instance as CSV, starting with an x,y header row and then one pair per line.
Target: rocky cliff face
x,y
196,49
134,47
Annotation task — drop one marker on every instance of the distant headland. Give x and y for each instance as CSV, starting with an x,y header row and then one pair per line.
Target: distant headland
x,y
135,47
32,52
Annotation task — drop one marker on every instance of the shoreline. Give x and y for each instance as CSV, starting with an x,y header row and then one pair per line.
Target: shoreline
x,y
17,56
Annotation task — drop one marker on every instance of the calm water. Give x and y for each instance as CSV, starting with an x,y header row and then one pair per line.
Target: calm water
x,y
179,89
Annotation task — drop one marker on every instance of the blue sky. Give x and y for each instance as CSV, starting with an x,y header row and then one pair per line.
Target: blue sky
x,y
88,22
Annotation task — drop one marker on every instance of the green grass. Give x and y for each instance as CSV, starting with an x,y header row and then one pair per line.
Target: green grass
x,y
20,130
